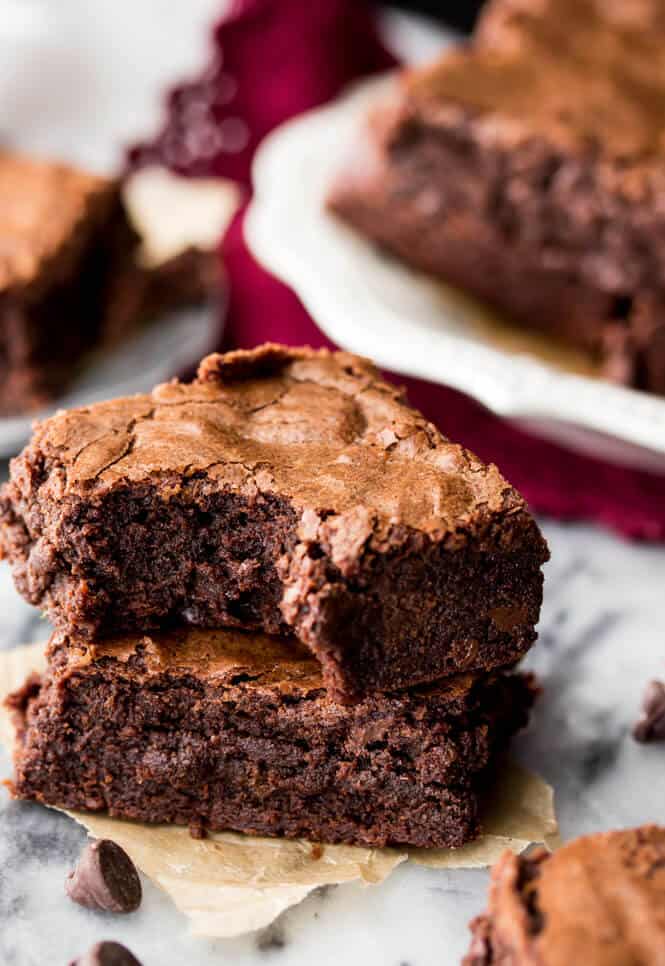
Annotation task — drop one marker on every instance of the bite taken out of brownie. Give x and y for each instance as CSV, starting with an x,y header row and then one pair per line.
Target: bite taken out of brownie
x,y
599,900
225,730
285,490
527,168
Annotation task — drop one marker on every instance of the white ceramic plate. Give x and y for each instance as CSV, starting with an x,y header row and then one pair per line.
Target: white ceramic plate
x,y
370,303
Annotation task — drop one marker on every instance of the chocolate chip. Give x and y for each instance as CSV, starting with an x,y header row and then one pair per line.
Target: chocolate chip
x,y
106,954
105,878
651,725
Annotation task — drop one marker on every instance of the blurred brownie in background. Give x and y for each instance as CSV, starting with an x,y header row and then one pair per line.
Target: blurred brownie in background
x,y
63,234
71,275
528,168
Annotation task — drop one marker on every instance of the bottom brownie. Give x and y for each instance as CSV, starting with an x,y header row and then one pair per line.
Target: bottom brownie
x,y
598,900
222,730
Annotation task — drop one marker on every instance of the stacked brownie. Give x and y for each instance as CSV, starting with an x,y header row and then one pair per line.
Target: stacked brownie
x,y
528,169
284,604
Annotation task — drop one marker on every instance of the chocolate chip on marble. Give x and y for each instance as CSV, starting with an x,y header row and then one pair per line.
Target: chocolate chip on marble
x,y
106,954
651,724
105,878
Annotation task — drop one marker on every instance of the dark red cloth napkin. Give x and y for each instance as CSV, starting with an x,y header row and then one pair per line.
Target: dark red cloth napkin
x,y
272,60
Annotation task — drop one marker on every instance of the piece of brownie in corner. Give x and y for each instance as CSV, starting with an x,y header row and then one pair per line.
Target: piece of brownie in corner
x,y
598,900
286,490
527,168
225,730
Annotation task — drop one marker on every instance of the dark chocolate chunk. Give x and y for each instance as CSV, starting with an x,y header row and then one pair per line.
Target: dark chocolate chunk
x,y
107,954
105,878
651,724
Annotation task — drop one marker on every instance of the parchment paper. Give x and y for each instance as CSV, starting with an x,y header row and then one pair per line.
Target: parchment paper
x,y
229,884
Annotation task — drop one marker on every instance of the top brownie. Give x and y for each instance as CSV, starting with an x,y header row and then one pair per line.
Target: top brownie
x,y
529,169
286,490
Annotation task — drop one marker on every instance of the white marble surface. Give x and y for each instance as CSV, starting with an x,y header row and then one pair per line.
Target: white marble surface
x,y
601,639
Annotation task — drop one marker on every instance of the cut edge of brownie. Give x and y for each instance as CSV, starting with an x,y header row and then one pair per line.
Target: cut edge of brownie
x,y
224,732
382,603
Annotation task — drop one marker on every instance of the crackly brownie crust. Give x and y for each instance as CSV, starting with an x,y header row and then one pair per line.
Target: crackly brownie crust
x,y
222,730
527,169
284,490
597,900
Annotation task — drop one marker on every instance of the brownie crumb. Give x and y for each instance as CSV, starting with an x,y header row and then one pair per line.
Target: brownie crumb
x,y
480,950
579,904
527,885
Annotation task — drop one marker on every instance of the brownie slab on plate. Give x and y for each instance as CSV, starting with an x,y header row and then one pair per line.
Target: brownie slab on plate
x,y
599,900
529,169
224,730
285,490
